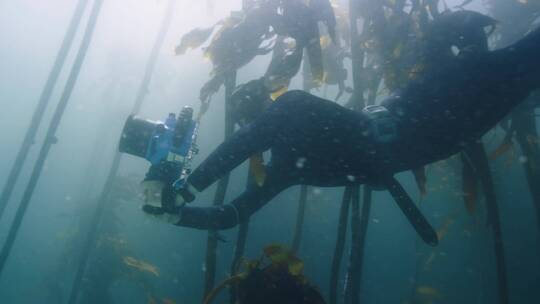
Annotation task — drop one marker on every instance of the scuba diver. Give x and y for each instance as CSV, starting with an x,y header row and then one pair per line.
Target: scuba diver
x,y
320,143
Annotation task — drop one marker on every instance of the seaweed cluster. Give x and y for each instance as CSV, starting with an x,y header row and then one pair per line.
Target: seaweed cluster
x,y
277,277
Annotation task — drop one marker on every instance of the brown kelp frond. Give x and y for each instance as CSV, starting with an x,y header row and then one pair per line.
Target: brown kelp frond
x,y
274,278
193,39
285,64
141,265
281,256
210,88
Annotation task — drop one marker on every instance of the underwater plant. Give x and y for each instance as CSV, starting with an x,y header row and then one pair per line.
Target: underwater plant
x,y
286,28
276,277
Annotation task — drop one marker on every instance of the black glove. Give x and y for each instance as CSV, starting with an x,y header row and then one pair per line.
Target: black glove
x,y
151,210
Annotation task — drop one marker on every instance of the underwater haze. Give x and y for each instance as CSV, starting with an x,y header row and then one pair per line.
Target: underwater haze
x,y
73,244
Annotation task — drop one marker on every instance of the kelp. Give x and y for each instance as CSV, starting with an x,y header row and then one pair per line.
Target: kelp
x,y
462,29
411,38
253,32
285,64
140,265
277,277
193,39
332,68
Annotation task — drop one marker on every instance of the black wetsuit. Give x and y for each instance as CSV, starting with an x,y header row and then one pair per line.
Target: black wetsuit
x,y
317,142
312,141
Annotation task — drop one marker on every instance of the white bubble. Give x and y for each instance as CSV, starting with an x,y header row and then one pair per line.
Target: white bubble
x,y
301,162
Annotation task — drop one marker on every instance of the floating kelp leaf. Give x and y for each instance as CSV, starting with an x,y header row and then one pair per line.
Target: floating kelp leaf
x,y
193,39
141,265
469,186
257,168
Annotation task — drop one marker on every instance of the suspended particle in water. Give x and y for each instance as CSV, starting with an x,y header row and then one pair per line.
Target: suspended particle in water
x,y
301,162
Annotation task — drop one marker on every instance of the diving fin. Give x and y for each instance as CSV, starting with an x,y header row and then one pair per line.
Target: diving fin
x,y
413,214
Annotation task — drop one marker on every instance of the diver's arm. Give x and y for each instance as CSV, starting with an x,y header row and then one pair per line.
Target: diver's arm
x,y
254,138
239,210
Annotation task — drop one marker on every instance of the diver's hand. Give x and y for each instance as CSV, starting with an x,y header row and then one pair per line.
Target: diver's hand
x,y
183,192
162,215
160,202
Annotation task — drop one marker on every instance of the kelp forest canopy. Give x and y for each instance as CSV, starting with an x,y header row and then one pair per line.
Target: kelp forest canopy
x,y
400,39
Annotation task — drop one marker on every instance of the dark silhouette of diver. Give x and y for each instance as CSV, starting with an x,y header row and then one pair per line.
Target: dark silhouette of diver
x,y
317,142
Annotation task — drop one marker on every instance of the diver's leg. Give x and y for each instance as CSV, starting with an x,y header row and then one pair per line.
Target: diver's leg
x,y
239,210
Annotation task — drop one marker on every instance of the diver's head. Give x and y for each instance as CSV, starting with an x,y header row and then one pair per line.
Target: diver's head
x,y
249,100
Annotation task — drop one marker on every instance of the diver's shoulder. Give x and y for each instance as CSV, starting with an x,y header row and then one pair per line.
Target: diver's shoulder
x,y
293,94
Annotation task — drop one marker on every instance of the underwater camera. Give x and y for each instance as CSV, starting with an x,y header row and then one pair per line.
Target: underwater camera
x,y
158,141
